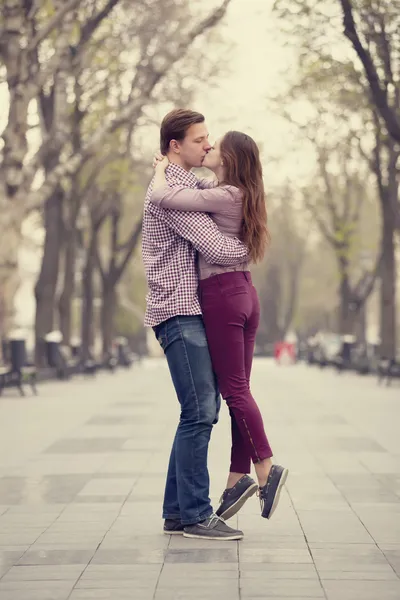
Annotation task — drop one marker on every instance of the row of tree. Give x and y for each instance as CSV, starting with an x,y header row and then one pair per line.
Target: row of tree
x,y
84,79
345,103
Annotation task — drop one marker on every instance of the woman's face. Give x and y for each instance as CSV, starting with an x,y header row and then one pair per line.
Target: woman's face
x,y
212,159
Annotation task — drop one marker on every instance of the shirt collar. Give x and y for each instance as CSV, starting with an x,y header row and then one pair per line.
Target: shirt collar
x,y
180,173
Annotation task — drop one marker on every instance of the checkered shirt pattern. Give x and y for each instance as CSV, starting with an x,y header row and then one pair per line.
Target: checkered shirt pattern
x,y
170,239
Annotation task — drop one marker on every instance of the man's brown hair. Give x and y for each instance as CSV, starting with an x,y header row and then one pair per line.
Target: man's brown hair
x,y
175,125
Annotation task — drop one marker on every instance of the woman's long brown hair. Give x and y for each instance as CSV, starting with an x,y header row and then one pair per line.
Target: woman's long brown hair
x,y
241,160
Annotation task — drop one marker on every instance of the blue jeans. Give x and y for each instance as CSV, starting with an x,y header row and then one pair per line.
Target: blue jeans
x,y
184,342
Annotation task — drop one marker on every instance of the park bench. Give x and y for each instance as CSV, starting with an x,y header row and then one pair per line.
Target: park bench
x,y
388,369
17,371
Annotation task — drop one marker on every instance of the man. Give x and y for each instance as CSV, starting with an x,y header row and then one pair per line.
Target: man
x,y
170,243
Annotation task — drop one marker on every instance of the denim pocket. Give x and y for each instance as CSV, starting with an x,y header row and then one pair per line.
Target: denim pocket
x,y
161,335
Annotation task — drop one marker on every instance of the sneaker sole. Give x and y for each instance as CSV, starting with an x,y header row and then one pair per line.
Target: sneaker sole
x,y
278,492
173,532
225,538
232,510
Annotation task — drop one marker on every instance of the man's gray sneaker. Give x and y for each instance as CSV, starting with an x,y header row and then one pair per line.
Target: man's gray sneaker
x,y
270,493
172,527
213,528
233,498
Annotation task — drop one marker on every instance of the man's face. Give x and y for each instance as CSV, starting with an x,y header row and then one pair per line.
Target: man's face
x,y
193,148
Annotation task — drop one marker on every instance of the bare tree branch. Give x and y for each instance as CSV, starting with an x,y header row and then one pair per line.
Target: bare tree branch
x,y
148,77
379,95
52,24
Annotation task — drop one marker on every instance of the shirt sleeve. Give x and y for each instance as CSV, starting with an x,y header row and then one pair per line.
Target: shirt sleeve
x,y
213,200
199,229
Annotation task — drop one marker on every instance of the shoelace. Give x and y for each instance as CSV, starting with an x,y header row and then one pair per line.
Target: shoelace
x,y
214,518
260,498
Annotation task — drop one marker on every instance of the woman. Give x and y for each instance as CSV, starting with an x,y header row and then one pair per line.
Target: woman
x,y
230,307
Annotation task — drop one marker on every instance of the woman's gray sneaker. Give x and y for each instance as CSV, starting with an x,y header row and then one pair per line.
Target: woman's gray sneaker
x,y
213,528
233,498
270,493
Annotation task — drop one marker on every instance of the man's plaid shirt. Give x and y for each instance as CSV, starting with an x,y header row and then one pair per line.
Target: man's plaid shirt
x,y
170,242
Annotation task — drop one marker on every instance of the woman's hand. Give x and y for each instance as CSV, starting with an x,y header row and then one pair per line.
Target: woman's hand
x,y
157,158
162,164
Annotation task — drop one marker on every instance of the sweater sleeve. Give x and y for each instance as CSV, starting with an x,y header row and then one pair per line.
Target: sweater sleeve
x,y
212,200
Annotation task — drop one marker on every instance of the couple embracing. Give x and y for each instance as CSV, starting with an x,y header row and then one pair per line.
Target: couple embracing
x,y
199,238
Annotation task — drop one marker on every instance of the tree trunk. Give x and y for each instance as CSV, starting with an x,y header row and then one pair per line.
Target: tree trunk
x,y
108,306
346,314
68,292
46,286
87,318
388,286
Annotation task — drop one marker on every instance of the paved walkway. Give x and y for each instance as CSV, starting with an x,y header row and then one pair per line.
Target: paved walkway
x,y
81,482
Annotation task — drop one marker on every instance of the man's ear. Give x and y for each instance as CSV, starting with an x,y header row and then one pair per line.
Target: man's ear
x,y
174,146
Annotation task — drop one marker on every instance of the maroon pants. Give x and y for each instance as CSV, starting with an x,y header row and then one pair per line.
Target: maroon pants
x,y
231,313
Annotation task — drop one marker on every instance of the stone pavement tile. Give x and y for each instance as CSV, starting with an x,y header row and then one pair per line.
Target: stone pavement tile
x,y
105,499
383,525
45,489
180,543
27,586
111,594
392,555
56,557
121,572
60,464
354,590
257,540
3,509
142,446
350,557
208,570
90,432
148,542
42,594
139,583
332,526
203,555
341,462
279,555
20,538
85,446
386,573
376,463
44,573
208,593
70,538
265,587
272,572
10,557
108,420
130,556
81,546
90,513
102,474
25,513
107,486
308,567
81,526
